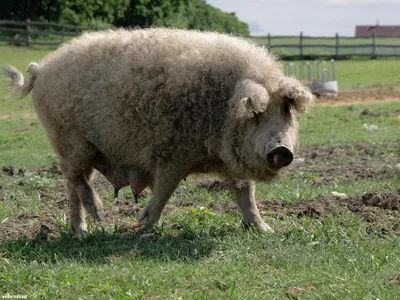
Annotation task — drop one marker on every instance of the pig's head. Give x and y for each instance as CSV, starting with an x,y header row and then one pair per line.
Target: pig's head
x,y
262,133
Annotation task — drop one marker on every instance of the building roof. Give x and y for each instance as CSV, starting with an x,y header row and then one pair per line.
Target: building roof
x,y
378,30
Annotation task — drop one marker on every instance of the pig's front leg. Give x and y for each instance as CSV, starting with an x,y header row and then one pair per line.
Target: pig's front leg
x,y
245,198
164,185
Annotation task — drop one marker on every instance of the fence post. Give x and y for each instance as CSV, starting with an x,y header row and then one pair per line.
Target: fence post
x,y
28,32
62,32
301,43
269,42
337,44
373,46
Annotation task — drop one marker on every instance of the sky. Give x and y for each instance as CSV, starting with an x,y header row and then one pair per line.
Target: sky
x,y
313,17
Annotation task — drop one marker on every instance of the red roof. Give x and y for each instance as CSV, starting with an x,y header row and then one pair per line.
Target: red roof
x,y
378,30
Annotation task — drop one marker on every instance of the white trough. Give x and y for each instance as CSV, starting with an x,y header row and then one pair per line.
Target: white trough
x,y
319,78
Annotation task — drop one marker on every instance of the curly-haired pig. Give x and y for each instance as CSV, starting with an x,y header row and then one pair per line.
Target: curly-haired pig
x,y
168,102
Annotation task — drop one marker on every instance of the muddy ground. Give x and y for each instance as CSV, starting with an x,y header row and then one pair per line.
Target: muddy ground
x,y
347,97
351,163
322,166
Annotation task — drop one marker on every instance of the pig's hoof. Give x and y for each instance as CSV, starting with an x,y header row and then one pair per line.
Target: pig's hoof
x,y
145,229
80,230
260,227
96,214
145,218
101,216
265,228
144,215
146,235
91,210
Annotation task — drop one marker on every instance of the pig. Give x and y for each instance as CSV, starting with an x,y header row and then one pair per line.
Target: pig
x,y
168,102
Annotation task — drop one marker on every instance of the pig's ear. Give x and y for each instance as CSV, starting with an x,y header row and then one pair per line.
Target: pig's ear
x,y
249,106
297,94
252,98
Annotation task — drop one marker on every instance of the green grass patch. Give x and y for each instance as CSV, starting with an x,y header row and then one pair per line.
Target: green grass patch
x,y
23,143
344,125
331,259
297,189
365,74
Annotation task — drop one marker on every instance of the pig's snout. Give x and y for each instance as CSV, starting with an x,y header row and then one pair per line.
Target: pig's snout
x,y
279,157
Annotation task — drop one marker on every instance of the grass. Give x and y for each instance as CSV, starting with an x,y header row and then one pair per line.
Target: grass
x,y
361,74
334,258
343,267
316,130
196,252
365,74
28,146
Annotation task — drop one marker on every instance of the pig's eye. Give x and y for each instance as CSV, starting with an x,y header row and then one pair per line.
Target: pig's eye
x,y
257,118
289,100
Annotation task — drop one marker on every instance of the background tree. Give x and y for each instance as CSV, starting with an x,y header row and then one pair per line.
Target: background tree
x,y
194,14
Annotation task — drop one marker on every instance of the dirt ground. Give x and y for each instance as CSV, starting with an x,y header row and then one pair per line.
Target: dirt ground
x,y
349,97
363,161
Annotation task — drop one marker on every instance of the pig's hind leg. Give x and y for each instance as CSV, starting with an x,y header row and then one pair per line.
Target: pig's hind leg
x,y
163,186
78,173
93,201
77,213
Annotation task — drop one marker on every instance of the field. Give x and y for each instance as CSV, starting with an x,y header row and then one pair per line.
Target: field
x,y
324,247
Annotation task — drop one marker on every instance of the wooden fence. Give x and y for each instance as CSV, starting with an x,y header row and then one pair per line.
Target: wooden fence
x,y
335,46
29,33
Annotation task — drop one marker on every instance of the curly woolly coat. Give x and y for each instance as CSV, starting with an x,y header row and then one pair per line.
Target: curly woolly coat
x,y
167,101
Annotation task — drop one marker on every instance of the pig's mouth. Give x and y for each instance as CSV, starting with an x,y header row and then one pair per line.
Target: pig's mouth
x,y
279,157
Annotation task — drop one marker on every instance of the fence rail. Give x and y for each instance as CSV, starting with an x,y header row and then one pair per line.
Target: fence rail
x,y
52,34
335,46
39,33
